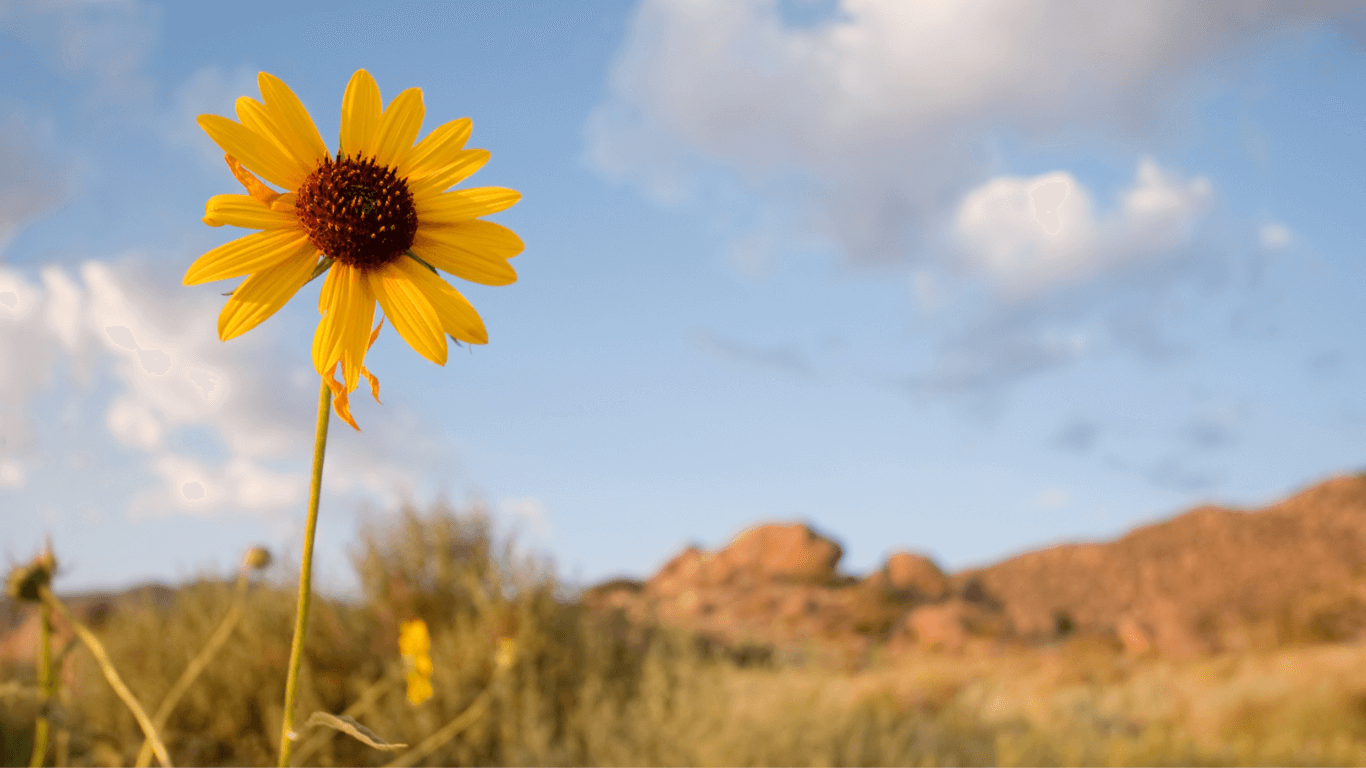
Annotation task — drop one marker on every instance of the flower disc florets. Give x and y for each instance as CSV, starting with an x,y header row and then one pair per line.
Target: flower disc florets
x,y
359,213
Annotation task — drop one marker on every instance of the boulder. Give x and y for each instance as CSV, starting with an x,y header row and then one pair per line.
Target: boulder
x,y
949,625
915,574
792,553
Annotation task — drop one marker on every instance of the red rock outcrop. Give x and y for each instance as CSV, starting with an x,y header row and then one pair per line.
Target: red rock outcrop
x,y
778,586
1210,579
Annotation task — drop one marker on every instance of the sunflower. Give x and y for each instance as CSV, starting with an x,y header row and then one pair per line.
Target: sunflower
x,y
376,217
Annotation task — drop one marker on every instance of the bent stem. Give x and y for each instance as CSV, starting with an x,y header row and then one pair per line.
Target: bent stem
x,y
40,728
110,673
296,652
197,666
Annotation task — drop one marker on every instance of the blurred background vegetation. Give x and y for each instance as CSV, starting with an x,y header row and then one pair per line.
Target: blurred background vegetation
x,y
586,688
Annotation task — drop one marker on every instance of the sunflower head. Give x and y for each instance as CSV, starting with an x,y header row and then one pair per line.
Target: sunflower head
x,y
378,217
357,212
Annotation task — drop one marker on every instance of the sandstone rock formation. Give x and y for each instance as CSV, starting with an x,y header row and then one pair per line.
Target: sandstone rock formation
x,y
1210,579
778,586
915,575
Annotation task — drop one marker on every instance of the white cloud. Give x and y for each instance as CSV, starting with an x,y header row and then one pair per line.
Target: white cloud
x,y
1028,235
27,345
1052,498
170,373
1274,236
877,113
527,512
190,485
11,474
132,422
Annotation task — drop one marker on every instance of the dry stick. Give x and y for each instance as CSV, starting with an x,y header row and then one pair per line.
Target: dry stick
x,y
40,728
358,707
449,731
196,666
110,673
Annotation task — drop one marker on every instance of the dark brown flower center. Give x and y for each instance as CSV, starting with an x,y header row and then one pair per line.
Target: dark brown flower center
x,y
359,213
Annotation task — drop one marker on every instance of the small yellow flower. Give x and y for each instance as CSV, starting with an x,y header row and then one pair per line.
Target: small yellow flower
x,y
415,646
506,654
377,217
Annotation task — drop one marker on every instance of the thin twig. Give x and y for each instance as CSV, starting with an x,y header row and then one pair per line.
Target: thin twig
x,y
449,731
196,666
110,673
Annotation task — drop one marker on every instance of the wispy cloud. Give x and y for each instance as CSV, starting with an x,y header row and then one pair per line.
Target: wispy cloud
x,y
29,187
1077,436
783,359
102,44
210,90
1274,236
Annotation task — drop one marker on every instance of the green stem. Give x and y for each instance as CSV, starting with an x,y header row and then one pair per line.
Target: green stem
x,y
296,653
40,728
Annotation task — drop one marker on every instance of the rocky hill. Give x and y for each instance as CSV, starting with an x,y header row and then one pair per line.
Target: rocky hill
x,y
1210,579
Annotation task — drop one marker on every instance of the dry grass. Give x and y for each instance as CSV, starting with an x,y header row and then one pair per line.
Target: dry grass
x,y
591,690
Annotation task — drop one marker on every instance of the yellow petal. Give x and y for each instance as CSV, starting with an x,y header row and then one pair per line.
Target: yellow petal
x,y
258,153
374,382
254,186
437,149
361,114
459,169
245,255
463,204
265,292
284,203
330,327
297,130
399,127
409,310
246,211
413,638
457,315
341,402
476,251
254,117
419,688
345,327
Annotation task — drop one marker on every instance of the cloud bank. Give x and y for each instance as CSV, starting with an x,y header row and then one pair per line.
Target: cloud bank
x,y
872,131
877,114
216,428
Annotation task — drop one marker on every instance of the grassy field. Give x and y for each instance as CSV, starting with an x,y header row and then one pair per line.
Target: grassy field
x,y
586,690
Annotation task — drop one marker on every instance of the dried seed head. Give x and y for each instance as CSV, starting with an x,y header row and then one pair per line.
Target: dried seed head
x,y
26,580
257,558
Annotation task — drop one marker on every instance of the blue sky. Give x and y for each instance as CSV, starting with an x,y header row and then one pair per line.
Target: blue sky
x,y
958,278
